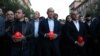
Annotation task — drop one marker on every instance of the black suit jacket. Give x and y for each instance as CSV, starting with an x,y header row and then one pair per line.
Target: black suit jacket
x,y
93,29
33,26
44,28
26,31
71,32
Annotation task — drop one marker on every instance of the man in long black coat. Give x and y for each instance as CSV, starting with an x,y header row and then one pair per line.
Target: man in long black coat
x,y
73,31
51,46
20,45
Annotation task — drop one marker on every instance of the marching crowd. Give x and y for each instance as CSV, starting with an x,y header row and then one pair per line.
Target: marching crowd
x,y
40,36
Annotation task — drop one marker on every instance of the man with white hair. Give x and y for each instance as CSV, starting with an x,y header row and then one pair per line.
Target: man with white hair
x,y
50,31
75,33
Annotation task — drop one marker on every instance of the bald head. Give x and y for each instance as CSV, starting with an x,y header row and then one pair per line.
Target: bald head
x,y
50,9
36,14
50,12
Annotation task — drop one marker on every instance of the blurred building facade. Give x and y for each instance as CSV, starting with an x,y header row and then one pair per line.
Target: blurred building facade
x,y
82,6
25,3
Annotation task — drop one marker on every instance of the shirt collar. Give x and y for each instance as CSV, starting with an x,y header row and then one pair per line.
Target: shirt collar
x,y
36,20
50,19
75,21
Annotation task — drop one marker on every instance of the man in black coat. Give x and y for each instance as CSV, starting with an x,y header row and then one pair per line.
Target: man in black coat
x,y
21,33
36,41
50,31
92,26
75,34
6,39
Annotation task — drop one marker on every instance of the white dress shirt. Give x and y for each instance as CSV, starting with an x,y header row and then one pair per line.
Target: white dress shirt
x,y
36,24
51,24
76,23
89,23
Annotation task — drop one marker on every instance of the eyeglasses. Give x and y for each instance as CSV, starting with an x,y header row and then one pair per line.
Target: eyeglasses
x,y
10,14
51,11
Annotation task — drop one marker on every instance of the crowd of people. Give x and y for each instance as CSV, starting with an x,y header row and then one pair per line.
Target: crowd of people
x,y
40,36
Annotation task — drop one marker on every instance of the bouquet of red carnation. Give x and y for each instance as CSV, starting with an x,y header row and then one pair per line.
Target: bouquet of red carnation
x,y
80,39
18,35
51,35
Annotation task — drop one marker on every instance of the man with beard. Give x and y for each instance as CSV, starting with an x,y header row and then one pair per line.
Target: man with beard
x,y
93,27
21,33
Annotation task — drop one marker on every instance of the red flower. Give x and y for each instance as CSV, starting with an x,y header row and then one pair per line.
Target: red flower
x,y
18,35
51,35
80,39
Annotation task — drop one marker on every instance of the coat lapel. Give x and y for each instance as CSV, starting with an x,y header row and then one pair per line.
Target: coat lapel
x,y
74,27
80,26
55,25
47,25
24,27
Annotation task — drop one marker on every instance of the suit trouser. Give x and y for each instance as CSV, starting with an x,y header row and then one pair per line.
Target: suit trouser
x,y
96,49
36,47
1,47
51,48
15,51
89,46
6,45
93,47
76,50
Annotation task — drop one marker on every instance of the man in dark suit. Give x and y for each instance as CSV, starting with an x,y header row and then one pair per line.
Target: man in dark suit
x,y
2,24
64,40
20,33
6,38
75,36
50,31
2,29
36,41
92,26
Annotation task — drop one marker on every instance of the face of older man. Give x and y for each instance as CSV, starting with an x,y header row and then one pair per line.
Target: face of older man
x,y
50,12
36,15
75,16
